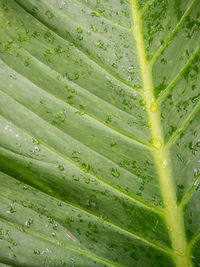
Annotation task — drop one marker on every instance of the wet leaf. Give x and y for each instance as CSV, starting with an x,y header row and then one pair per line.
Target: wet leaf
x,y
100,133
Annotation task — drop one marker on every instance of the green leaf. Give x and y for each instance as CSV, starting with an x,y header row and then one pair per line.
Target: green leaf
x,y
100,133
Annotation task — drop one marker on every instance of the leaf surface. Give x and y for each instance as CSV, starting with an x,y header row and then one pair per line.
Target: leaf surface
x,y
100,123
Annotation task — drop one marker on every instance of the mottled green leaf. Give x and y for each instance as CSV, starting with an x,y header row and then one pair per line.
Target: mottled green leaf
x,y
100,133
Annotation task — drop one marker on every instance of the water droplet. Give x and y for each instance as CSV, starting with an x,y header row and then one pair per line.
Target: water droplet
x,y
12,209
13,76
196,172
35,148
36,252
87,181
61,4
95,14
156,143
80,112
76,155
27,62
79,30
7,127
29,222
45,251
115,172
55,226
179,252
75,178
61,167
164,163
49,14
5,7
113,144
153,106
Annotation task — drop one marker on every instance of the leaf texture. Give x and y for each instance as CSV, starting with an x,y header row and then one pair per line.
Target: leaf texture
x,y
100,133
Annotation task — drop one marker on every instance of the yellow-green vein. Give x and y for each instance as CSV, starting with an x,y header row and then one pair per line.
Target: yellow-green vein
x,y
173,214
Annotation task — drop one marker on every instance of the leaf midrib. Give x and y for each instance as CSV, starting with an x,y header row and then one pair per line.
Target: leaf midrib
x,y
173,214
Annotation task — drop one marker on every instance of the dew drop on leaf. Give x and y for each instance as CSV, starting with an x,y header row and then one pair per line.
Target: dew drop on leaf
x,y
61,167
29,222
13,76
87,181
62,4
36,252
95,14
79,30
156,143
153,106
115,172
164,163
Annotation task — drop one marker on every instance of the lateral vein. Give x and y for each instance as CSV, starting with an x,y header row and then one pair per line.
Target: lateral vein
x,y
162,48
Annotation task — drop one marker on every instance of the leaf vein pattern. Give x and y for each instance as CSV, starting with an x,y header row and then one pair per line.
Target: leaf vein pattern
x,y
109,223
162,48
183,127
79,142
82,51
79,251
106,18
190,192
138,141
177,78
119,191
193,241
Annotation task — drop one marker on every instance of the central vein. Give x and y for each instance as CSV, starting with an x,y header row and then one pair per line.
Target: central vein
x,y
173,214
